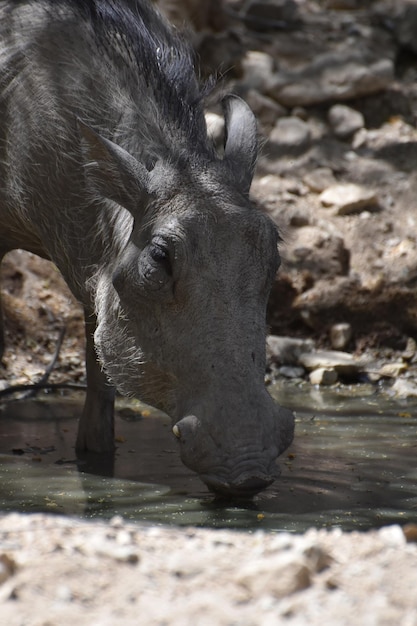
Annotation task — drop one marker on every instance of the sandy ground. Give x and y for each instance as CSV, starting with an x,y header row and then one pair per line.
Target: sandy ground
x,y
57,571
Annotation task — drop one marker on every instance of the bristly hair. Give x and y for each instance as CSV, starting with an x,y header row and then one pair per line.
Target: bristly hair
x,y
132,33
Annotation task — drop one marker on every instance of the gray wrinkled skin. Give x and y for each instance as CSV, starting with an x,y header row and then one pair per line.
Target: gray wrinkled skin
x,y
106,169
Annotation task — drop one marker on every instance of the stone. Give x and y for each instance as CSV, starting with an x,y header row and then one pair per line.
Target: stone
x,y
317,251
342,362
345,121
258,70
279,576
410,533
406,27
323,376
7,567
340,76
404,388
291,135
287,350
392,370
410,349
264,15
291,371
266,110
340,335
343,5
348,198
319,179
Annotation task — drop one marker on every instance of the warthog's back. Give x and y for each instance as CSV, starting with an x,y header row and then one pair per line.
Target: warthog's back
x,y
116,66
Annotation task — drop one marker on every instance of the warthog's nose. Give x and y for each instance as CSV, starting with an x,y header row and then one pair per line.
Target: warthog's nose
x,y
246,488
240,470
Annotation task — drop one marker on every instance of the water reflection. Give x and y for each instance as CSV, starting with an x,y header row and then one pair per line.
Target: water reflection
x,y
353,464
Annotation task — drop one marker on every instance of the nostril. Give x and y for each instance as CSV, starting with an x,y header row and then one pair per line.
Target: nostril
x,y
247,488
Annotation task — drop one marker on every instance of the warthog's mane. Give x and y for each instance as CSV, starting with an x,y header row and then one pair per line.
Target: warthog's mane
x,y
140,50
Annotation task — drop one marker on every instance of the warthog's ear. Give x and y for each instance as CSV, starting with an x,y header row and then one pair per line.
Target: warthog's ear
x,y
114,173
241,140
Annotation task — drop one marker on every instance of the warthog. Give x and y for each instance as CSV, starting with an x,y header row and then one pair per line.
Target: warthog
x,y
106,169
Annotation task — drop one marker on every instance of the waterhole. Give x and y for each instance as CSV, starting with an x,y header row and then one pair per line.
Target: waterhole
x,y
353,464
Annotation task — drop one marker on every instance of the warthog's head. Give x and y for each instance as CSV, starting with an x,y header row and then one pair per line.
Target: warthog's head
x,y
182,315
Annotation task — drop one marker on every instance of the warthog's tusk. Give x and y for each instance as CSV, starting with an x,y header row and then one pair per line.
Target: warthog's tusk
x,y
176,431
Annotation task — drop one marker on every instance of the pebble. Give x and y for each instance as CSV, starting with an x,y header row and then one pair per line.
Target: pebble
x,y
342,362
342,75
264,15
410,349
266,110
319,179
319,252
287,350
340,335
410,533
348,198
392,370
289,136
404,388
104,546
258,70
406,26
279,576
345,121
323,376
291,371
7,568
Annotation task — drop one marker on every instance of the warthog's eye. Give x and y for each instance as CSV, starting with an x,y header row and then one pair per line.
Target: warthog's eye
x,y
159,253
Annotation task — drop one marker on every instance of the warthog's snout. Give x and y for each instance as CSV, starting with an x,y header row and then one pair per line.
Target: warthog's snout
x,y
246,485
240,465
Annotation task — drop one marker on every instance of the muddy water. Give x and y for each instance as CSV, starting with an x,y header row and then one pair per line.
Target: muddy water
x,y
353,464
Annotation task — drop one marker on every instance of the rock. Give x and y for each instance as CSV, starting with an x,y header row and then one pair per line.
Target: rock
x,y
287,350
404,388
342,75
392,370
291,135
258,70
266,110
291,371
298,219
318,557
345,121
264,15
410,533
318,252
278,576
340,335
348,198
323,376
410,349
7,568
319,179
343,5
342,362
406,27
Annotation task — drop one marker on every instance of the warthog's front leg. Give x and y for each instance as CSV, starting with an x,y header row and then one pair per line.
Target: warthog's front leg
x,y
96,426
2,338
